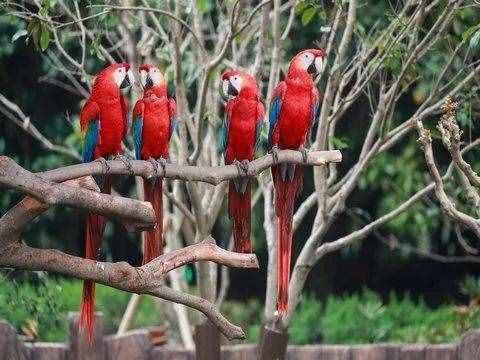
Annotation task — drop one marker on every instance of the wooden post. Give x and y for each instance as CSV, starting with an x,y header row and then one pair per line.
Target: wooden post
x,y
10,347
80,348
469,348
131,345
207,342
273,345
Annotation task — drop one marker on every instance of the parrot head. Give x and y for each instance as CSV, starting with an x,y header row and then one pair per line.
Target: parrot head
x,y
235,83
114,77
311,60
151,76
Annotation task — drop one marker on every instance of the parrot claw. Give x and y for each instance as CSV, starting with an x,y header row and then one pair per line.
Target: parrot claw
x,y
126,161
163,164
274,150
242,167
243,173
154,164
104,162
304,154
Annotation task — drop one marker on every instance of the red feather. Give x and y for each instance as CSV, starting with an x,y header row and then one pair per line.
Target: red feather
x,y
239,210
292,128
285,194
157,112
94,227
106,105
244,112
153,242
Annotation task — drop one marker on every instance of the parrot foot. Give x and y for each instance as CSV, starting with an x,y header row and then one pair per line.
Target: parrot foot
x,y
154,164
304,153
163,163
104,162
244,174
274,150
127,162
242,167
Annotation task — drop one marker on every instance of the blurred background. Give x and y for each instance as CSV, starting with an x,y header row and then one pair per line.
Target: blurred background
x,y
410,281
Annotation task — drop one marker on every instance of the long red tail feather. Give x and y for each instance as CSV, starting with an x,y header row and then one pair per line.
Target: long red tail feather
x,y
153,244
239,210
94,227
285,195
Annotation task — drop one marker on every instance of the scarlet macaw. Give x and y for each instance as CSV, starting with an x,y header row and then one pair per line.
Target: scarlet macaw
x,y
103,122
153,125
294,108
240,134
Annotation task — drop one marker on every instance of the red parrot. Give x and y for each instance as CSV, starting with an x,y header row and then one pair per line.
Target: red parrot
x,y
244,114
103,122
294,108
153,124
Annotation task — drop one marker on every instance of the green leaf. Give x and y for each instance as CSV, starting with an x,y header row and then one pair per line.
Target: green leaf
x,y
44,39
475,41
470,31
339,143
204,5
20,33
308,15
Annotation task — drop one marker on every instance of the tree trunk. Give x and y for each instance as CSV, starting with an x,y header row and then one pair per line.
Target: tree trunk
x,y
273,343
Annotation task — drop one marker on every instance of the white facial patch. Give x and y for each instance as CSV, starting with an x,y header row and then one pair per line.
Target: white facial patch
x,y
119,76
306,59
156,76
131,78
319,64
236,82
225,87
143,77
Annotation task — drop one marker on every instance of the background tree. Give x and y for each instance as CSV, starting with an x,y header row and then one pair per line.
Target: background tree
x,y
391,67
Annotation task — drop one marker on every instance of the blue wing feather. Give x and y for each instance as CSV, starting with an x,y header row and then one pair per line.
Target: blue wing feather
x,y
224,134
90,141
173,126
138,136
274,115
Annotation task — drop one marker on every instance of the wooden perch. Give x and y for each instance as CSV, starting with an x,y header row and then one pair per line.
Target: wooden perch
x,y
134,211
209,174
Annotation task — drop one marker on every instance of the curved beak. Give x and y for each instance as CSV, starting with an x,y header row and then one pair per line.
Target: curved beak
x,y
319,64
126,81
148,82
227,90
231,90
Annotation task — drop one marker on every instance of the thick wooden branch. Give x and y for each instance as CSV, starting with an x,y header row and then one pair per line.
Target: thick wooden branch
x,y
146,279
142,280
12,175
209,174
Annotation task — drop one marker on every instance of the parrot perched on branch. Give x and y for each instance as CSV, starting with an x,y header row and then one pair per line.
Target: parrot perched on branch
x,y
103,122
153,124
294,108
240,133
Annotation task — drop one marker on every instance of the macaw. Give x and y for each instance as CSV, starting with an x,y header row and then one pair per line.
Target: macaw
x,y
244,114
294,108
154,120
103,123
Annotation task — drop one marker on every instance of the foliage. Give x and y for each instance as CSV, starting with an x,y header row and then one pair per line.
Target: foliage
x,y
364,318
46,303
